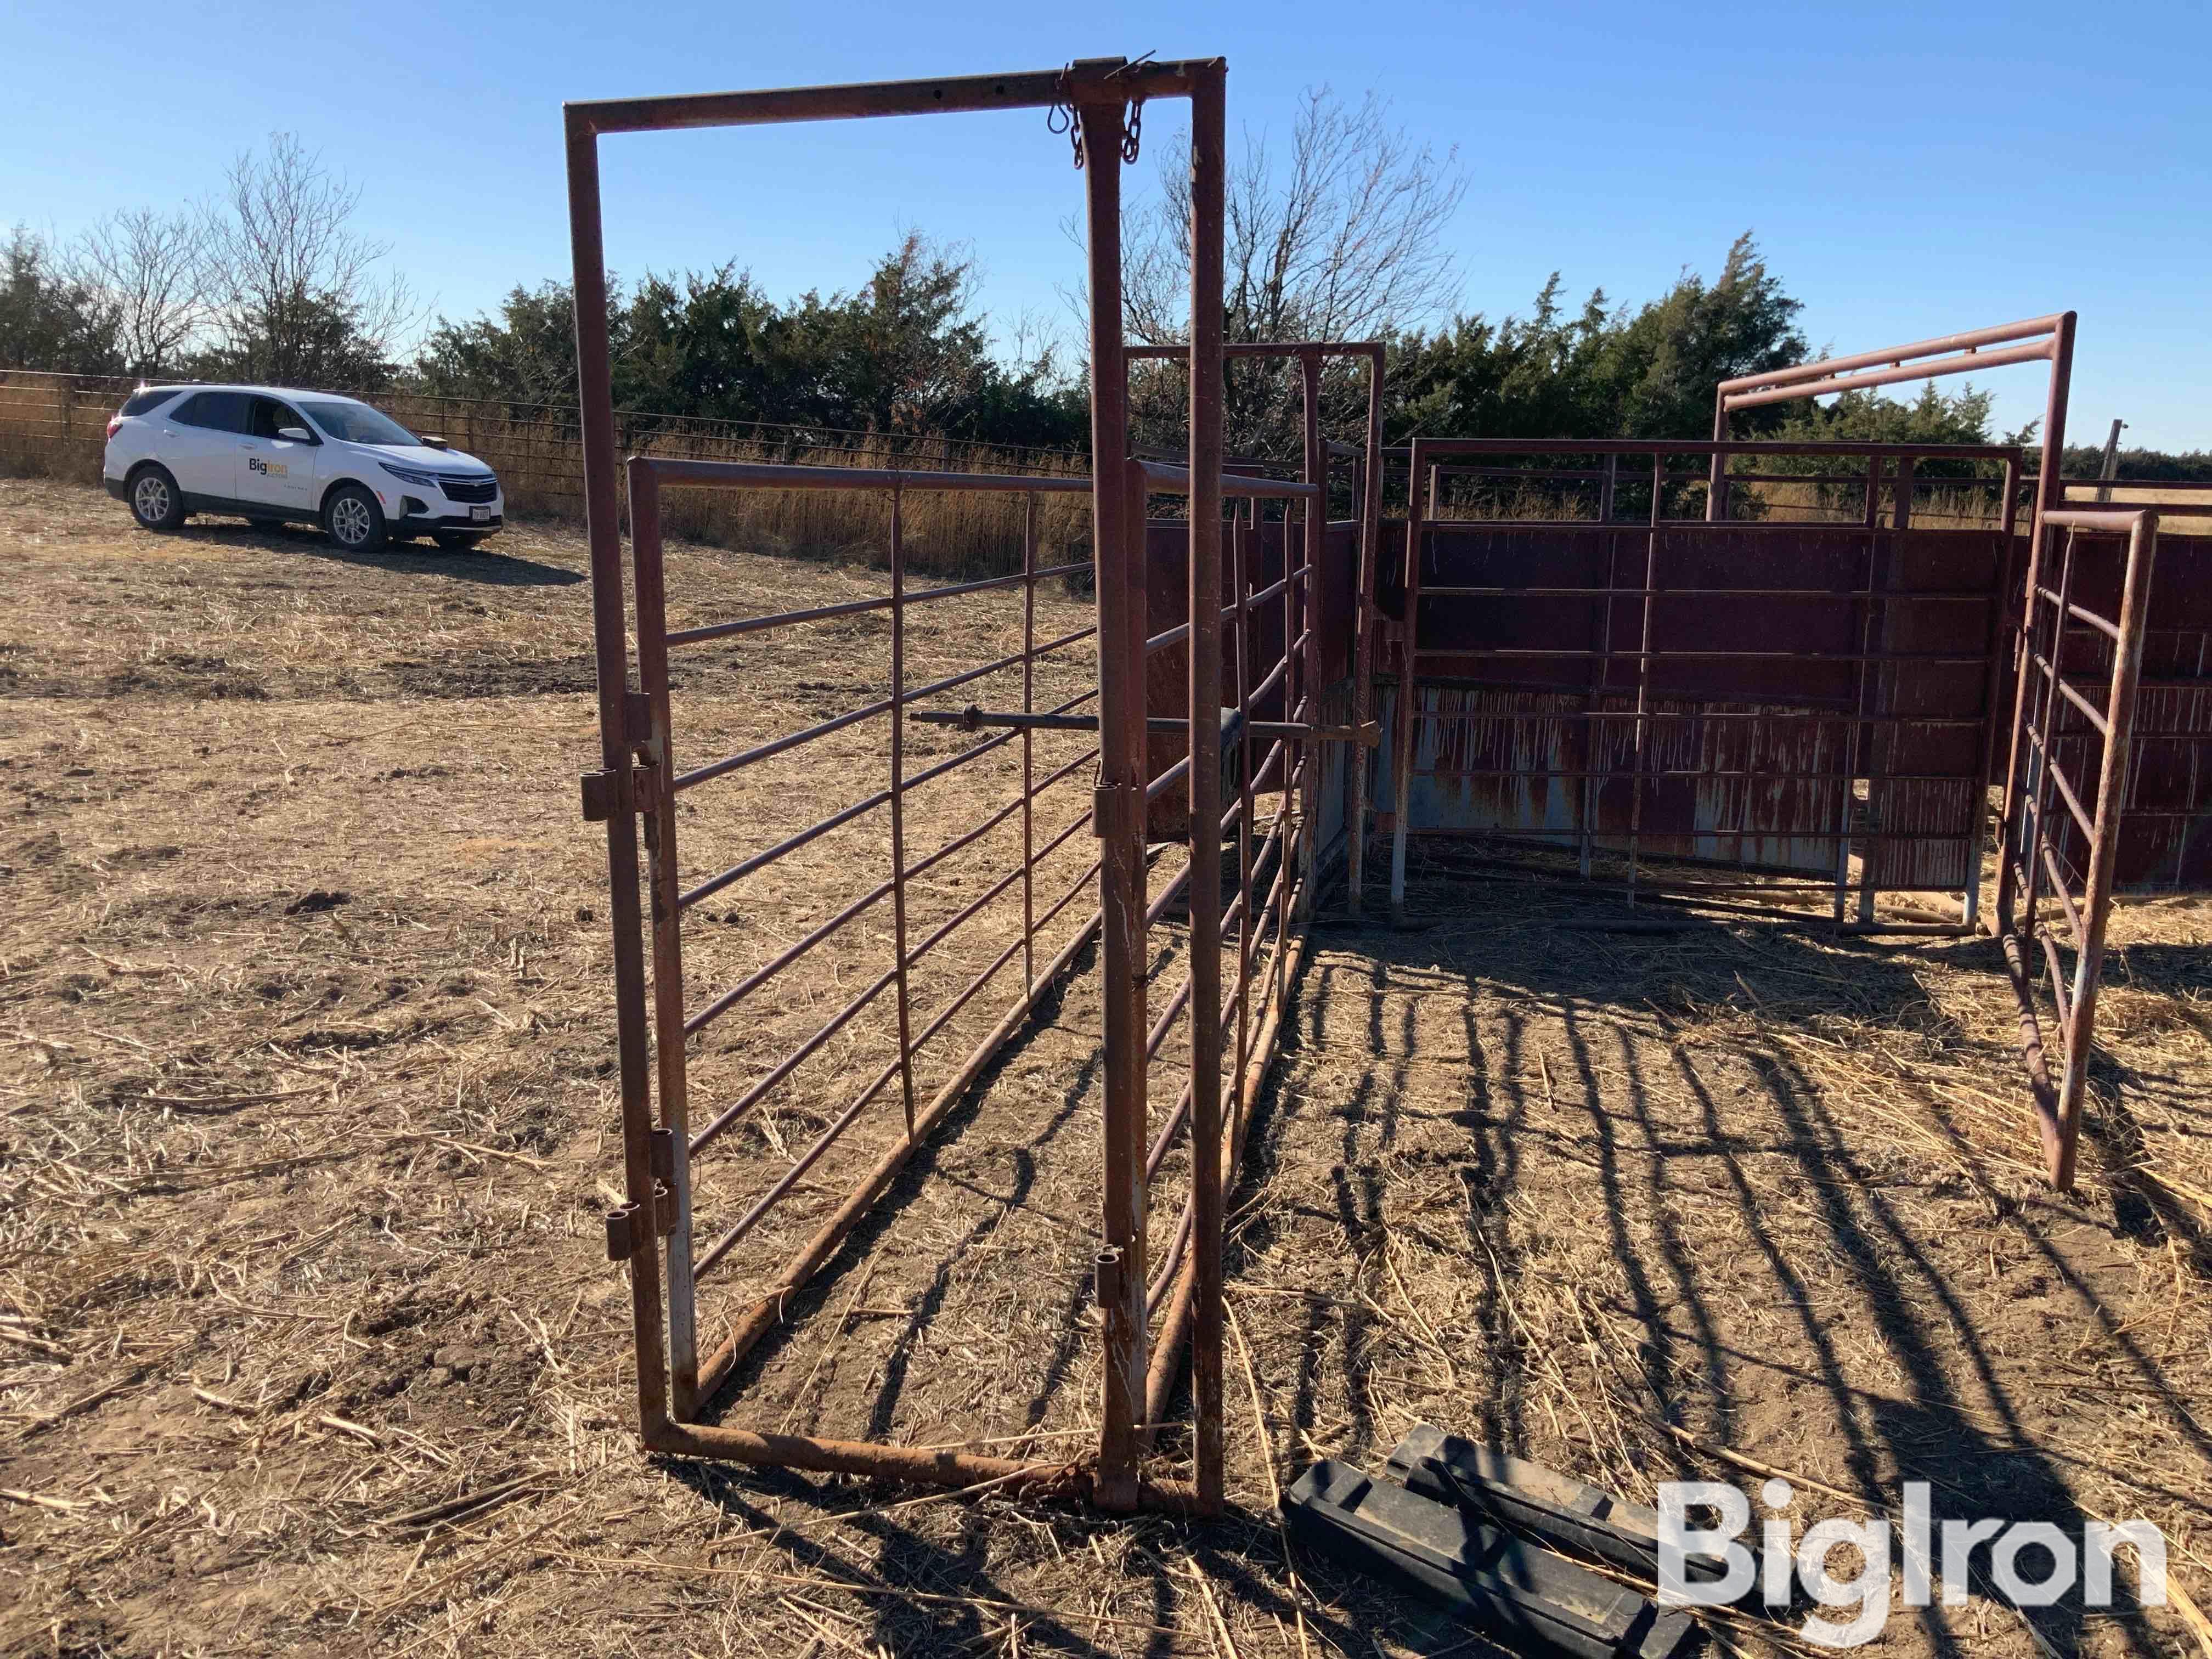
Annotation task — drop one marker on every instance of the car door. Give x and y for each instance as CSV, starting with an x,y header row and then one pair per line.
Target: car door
x,y
199,444
274,471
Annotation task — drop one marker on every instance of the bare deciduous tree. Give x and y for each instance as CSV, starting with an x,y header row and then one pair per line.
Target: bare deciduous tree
x,y
299,297
1341,239
152,270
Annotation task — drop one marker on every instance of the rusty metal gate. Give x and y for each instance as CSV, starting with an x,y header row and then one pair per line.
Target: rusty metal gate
x,y
1249,722
2063,816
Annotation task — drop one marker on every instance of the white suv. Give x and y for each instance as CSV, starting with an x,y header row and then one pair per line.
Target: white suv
x,y
271,455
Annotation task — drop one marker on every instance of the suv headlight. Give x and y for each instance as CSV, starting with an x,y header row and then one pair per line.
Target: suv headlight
x,y
411,475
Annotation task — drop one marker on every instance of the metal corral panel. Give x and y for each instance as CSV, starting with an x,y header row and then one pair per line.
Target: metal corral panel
x,y
1484,766
1167,670
1777,666
2165,835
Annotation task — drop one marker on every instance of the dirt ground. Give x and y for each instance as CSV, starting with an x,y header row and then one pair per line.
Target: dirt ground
x,y
306,1049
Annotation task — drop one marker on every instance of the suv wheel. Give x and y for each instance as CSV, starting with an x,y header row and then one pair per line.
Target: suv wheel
x,y
354,519
156,501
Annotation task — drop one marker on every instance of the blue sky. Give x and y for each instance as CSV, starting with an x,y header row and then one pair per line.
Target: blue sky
x,y
1908,170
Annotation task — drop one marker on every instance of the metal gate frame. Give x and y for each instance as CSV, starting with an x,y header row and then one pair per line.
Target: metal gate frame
x,y
1094,94
692,1382
1315,455
2031,850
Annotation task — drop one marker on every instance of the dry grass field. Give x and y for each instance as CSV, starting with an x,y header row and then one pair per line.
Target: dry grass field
x,y
307,1342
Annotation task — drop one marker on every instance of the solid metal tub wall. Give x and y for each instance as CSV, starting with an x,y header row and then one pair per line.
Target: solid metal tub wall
x,y
1793,699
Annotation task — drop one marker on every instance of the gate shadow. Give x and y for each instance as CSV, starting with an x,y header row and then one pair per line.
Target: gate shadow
x,y
1779,1256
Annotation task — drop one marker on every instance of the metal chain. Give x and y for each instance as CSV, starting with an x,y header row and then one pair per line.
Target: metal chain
x,y
1065,116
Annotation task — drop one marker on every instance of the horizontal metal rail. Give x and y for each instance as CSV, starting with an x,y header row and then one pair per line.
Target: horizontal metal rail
x,y
1687,775
1967,350
769,751
730,1239
1091,81
791,843
1176,481
2088,709
1583,654
1434,447
770,475
1780,715
859,607
1432,591
972,719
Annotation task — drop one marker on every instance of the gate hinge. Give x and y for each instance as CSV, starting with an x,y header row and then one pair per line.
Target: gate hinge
x,y
598,789
627,1231
1110,814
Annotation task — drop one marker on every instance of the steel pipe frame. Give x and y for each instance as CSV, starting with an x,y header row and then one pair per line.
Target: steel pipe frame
x,y
670,902
2052,340
1097,90
1198,1306
2027,848
1309,354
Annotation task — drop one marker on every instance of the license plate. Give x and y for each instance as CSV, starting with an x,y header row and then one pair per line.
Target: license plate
x,y
480,515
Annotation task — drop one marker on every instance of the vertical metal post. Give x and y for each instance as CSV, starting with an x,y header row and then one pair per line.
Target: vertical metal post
x,y
602,514
1283,829
2105,845
1643,670
1207,197
1992,691
2108,464
1029,746
1314,519
2050,492
1363,669
1247,911
1847,782
664,882
1590,744
2046,760
898,801
1717,477
1117,535
1401,749
1867,747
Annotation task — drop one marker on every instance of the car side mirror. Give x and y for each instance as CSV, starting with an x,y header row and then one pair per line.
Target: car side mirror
x,y
298,435
428,442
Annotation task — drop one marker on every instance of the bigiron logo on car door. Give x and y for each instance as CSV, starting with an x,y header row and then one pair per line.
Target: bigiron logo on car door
x,y
272,469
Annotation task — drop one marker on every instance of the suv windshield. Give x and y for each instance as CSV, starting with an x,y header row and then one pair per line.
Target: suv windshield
x,y
358,423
